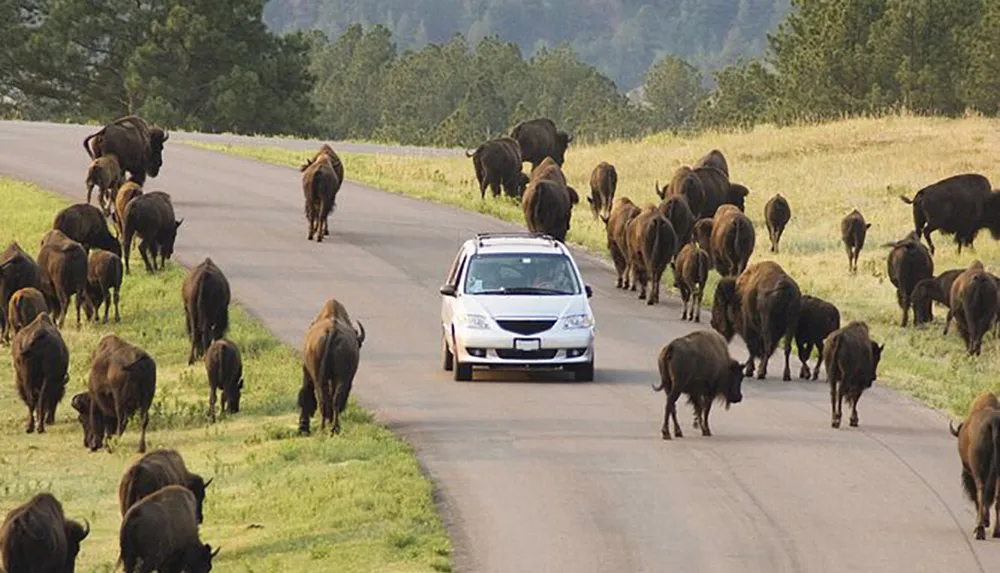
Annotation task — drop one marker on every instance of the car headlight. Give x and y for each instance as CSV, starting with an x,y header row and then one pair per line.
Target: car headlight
x,y
578,321
475,321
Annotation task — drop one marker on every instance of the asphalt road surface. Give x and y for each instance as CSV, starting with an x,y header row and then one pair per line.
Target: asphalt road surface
x,y
548,475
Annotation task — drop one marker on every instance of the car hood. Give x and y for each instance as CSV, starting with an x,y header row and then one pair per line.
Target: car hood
x,y
525,306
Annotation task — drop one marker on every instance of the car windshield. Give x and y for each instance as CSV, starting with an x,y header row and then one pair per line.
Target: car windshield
x,y
521,274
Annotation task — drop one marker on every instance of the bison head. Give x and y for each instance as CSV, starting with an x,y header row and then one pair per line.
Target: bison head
x,y
233,397
876,358
157,137
737,195
724,307
197,486
167,246
75,534
732,391
81,403
198,558
574,197
923,297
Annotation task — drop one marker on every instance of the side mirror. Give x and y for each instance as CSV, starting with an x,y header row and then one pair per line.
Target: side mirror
x,y
447,290
587,289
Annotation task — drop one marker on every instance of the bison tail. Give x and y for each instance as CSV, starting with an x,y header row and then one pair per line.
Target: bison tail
x,y
325,365
951,427
906,200
86,144
664,367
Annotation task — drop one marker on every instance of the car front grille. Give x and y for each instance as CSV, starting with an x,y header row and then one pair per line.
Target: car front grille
x,y
511,354
526,326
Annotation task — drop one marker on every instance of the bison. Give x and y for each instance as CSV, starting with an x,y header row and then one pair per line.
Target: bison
x,y
909,262
685,184
715,159
106,174
151,217
224,366
817,319
548,202
690,277
122,381
699,365
156,470
63,265
675,208
538,138
852,359
603,182
160,532
733,240
36,537
719,191
497,163
25,305
331,354
701,233
652,243
616,224
334,309
777,213
138,147
86,225
852,232
41,366
81,403
961,205
104,274
325,149
762,305
206,306
928,291
319,188
17,270
128,191
979,450
973,305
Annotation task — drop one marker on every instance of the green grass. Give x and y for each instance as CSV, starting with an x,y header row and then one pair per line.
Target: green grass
x,y
823,170
357,502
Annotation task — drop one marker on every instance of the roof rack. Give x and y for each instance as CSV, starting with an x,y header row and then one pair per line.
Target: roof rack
x,y
480,237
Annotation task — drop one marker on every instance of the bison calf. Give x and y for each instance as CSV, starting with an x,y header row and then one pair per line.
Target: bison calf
x,y
851,367
332,351
852,232
909,262
690,277
206,306
104,274
979,449
928,291
156,470
817,319
122,381
41,366
225,372
106,174
973,305
777,213
25,305
128,191
17,270
160,532
36,537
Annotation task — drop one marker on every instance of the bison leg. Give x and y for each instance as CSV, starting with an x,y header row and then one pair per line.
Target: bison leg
x,y
619,261
748,368
144,251
854,411
706,407
947,322
671,412
836,403
96,426
29,426
805,351
819,362
927,237
787,375
307,402
211,401
40,406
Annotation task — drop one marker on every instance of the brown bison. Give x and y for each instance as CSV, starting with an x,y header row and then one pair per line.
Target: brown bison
x,y
63,265
332,351
138,147
548,202
224,366
157,470
851,367
616,224
973,305
206,305
603,183
715,159
334,309
325,149
928,291
86,225
105,174
817,319
697,364
652,243
685,184
25,305
762,305
36,537
160,533
319,188
675,208
41,366
104,274
128,191
538,138
733,240
498,163
701,233
17,270
719,191
979,449
151,217
852,232
909,262
961,205
122,381
81,403
690,277
777,213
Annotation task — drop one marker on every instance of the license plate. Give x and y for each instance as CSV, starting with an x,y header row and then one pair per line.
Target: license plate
x,y
527,344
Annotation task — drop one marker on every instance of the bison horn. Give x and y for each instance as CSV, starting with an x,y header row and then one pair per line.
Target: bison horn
x,y
361,334
86,529
954,430
166,135
209,482
216,552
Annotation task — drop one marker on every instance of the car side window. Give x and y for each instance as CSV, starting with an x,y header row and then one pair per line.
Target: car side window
x,y
456,269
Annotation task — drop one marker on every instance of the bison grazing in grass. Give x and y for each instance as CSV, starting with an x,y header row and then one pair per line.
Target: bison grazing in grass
x,y
332,352
852,232
63,265
17,270
979,449
851,367
497,163
105,174
961,204
36,537
156,470
624,210
25,305
715,159
224,366
719,191
675,208
762,305
138,147
548,201
160,533
150,216
697,364
685,184
817,319
777,213
81,403
973,305
320,185
104,274
928,291
733,239
538,138
128,191
41,366
206,306
652,243
690,277
122,381
86,225
603,183
909,262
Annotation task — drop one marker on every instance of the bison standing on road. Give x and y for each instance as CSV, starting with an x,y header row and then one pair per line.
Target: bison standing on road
x,y
979,449
497,163
548,201
86,225
852,232
338,165
319,187
25,305
777,213
961,204
624,210
104,274
817,319
851,367
538,138
106,174
160,532
697,364
652,243
974,302
36,537
603,183
138,147
150,216
17,270
41,366
157,470
685,184
122,381
715,159
206,305
733,240
63,265
690,278
928,291
224,365
908,263
332,352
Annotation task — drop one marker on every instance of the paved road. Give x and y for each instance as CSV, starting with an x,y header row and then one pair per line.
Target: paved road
x,y
560,476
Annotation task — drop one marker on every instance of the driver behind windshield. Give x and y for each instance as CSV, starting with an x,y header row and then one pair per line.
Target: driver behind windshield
x,y
554,276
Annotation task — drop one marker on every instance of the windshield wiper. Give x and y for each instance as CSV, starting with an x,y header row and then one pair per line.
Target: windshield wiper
x,y
534,290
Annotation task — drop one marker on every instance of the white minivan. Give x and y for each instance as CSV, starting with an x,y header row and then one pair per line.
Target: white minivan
x,y
516,301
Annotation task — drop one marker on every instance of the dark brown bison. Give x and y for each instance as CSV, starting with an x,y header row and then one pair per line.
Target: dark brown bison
x,y
332,351
817,319
151,217
17,270
603,183
81,403
928,291
104,274
122,381
701,233
36,537
733,240
719,191
777,213
961,205
675,208
41,365
497,163
909,262
128,191
156,470
979,449
973,305
624,210
224,366
715,159
86,225
138,147
548,202
697,364
762,305
63,265
852,232
690,277
206,305
685,184
652,243
105,174
319,188
538,138
160,533
852,359
25,305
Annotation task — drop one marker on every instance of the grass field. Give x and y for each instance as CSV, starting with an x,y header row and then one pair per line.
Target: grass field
x,y
279,502
824,171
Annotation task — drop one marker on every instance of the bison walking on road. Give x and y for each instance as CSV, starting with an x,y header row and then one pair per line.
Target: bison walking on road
x,y
157,470
160,533
909,262
548,202
319,187
106,174
817,319
122,381
332,352
851,367
41,367
979,449
36,537
852,232
690,278
206,306
138,147
961,204
224,365
151,217
676,209
538,138
652,243
777,213
603,183
497,163
616,224
973,305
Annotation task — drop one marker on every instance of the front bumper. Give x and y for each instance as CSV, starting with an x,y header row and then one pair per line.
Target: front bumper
x,y
496,348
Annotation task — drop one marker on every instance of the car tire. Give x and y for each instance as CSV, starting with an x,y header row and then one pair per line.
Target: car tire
x,y
463,372
448,359
584,372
